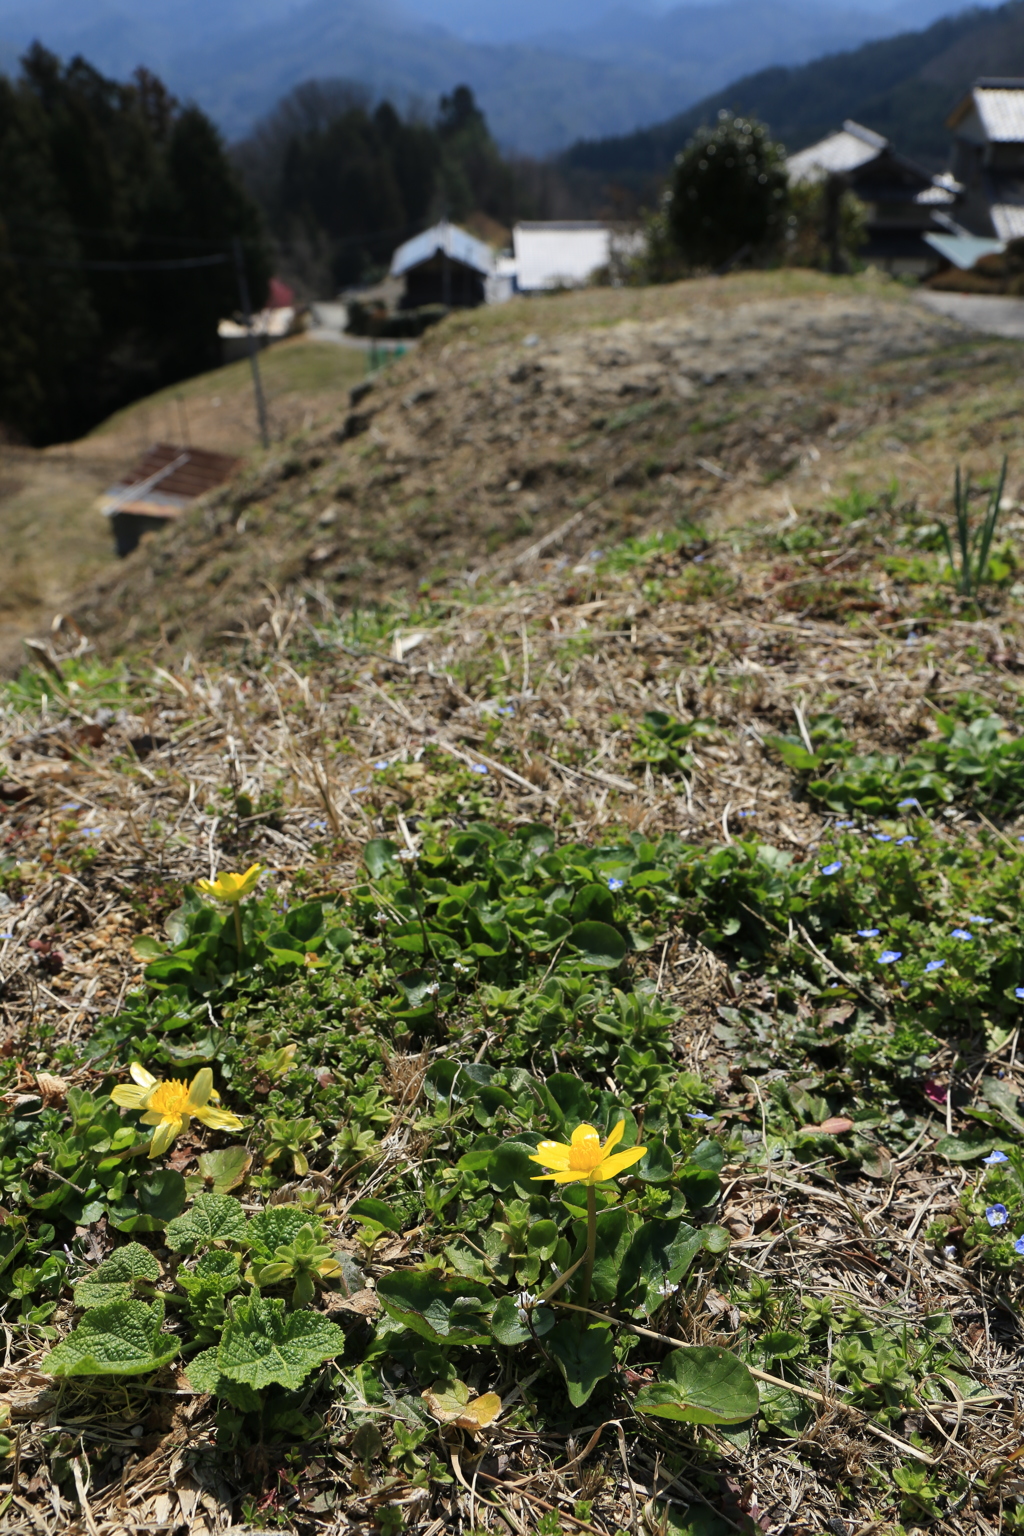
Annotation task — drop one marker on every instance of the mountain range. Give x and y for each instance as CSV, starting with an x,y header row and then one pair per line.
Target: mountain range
x,y
903,87
547,72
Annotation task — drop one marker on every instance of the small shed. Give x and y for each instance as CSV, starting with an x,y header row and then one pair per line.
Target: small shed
x,y
159,488
444,265
904,202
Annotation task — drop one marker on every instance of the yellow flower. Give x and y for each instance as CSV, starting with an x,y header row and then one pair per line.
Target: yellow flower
x,y
585,1160
231,888
171,1105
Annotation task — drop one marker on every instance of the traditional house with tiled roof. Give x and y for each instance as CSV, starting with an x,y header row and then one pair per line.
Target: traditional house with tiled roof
x,y
904,202
988,158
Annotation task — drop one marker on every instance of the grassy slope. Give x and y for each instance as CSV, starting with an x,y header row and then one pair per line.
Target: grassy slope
x,y
644,701
54,539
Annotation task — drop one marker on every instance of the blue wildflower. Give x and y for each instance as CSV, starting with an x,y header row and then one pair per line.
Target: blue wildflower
x,y
382,765
844,826
935,965
6,935
833,868
962,933
997,1215
902,841
890,956
973,919
615,885
361,789
746,813
1018,1246
695,1114
868,933
477,768
995,1157
909,801
881,837
1019,992
506,709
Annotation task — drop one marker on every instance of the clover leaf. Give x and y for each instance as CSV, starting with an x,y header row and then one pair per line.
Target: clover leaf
x,y
120,1339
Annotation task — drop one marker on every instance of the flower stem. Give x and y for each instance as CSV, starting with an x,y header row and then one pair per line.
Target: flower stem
x,y
591,1253
238,928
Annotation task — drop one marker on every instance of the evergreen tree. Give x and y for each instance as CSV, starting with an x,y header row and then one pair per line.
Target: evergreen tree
x,y
727,194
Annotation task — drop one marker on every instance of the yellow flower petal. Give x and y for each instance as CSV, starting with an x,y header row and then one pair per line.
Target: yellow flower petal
x,y
129,1097
218,1119
199,1091
551,1154
141,1076
614,1138
164,1135
153,1117
611,1167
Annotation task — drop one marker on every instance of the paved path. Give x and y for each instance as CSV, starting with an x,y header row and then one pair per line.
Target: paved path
x,y
991,313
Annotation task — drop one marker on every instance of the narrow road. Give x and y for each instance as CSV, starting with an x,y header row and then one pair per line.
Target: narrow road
x,y
993,314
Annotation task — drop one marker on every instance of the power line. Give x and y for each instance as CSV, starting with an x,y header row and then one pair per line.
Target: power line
x,y
185,263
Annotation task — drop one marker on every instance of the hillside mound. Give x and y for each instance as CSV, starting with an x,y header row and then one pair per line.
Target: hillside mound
x,y
547,426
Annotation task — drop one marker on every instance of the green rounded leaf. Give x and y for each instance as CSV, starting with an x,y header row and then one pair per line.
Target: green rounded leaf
x,y
443,1311
599,946
703,1385
584,1356
375,1210
508,1327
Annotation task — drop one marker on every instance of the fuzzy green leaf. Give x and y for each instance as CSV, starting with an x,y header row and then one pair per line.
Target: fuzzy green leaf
x,y
205,1375
276,1226
600,947
210,1219
121,1339
263,1344
115,1278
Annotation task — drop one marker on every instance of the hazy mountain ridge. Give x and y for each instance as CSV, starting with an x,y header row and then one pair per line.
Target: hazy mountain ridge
x,y
597,74
902,86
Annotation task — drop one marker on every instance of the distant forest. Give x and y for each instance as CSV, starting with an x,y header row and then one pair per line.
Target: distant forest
x,y
903,87
118,208
343,180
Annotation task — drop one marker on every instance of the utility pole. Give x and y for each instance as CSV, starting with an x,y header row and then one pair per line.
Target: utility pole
x,y
254,362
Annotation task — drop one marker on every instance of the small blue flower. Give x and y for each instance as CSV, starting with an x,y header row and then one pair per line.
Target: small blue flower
x,y
382,765
995,1157
997,1215
909,801
747,813
6,935
506,709
844,826
1018,1246
962,933
477,768
868,933
695,1114
973,919
833,868
935,965
317,826
890,956
92,831
361,789
902,841
615,885
881,837
1019,992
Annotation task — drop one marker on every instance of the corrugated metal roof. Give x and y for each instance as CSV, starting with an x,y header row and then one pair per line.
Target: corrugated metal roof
x,y
559,254
456,243
1001,110
853,146
964,250
166,480
1008,220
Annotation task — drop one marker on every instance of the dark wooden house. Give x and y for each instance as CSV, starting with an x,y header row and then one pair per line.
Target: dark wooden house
x,y
445,265
904,202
